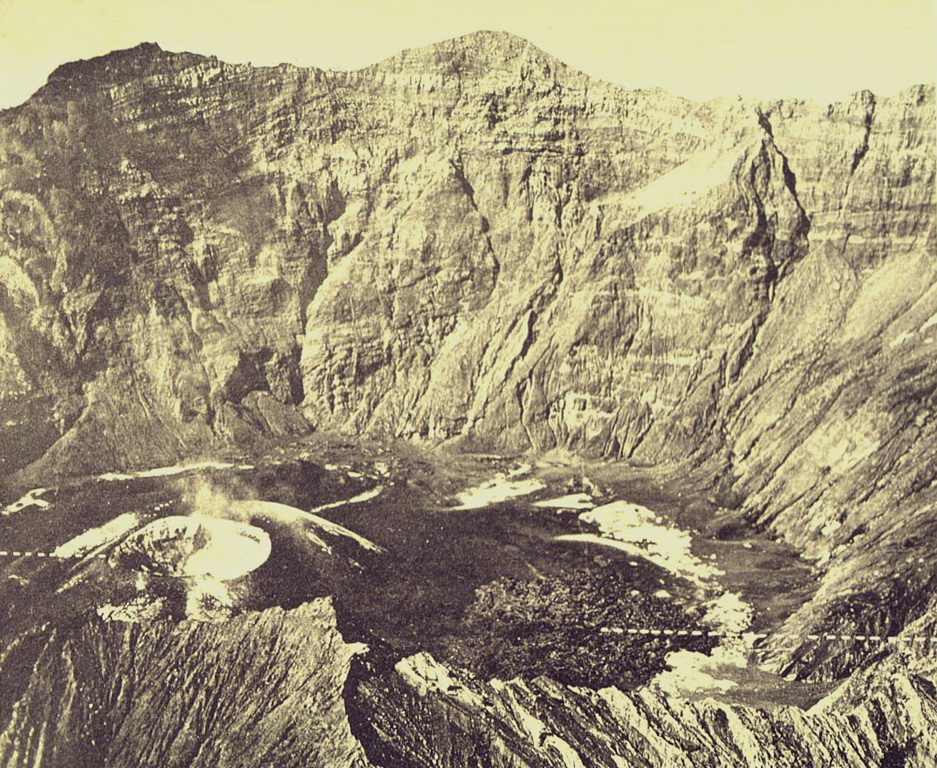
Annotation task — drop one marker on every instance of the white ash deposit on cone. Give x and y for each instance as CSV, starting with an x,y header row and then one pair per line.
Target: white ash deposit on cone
x,y
188,546
202,560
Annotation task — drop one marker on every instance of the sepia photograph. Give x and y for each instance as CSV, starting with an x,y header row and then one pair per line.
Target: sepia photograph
x,y
454,384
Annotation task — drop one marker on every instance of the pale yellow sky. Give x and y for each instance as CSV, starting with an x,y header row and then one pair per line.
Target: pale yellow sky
x,y
822,49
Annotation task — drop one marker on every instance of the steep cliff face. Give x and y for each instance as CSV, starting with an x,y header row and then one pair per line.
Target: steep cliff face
x,y
469,239
591,301
831,422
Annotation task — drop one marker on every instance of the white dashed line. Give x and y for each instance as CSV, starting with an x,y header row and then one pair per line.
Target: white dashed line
x,y
50,555
645,631
716,634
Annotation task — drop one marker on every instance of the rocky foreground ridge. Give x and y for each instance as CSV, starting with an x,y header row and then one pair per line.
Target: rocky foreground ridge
x,y
262,689
474,243
273,688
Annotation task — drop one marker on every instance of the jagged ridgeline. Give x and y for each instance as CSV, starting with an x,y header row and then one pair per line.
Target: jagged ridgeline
x,y
473,243
468,240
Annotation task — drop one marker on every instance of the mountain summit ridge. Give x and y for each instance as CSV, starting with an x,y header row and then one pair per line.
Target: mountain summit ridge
x,y
473,54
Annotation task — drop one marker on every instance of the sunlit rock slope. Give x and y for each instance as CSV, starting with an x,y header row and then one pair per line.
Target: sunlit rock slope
x,y
465,240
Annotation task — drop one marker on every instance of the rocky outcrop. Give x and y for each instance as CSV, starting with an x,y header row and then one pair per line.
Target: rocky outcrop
x,y
273,688
831,421
262,689
169,221
885,718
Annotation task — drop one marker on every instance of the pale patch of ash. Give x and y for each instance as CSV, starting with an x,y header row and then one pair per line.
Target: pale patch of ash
x,y
31,499
360,498
170,471
245,509
639,531
573,501
502,487
692,672
96,538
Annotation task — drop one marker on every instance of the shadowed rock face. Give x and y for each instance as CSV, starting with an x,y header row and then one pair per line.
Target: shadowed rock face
x,y
473,242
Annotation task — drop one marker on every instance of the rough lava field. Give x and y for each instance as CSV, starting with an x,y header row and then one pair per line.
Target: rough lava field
x,y
463,410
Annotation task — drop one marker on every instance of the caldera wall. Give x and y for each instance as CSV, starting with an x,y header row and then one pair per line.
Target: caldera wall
x,y
474,241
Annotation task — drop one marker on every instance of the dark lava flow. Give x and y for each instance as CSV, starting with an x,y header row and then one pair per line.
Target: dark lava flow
x,y
489,590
